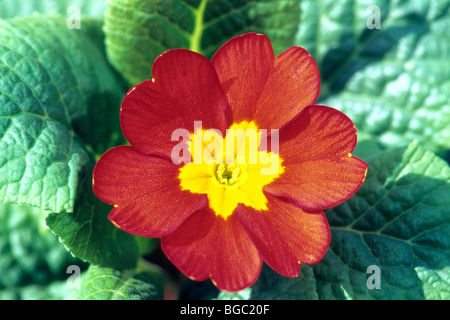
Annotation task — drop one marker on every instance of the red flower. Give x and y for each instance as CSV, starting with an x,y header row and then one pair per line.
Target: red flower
x,y
221,219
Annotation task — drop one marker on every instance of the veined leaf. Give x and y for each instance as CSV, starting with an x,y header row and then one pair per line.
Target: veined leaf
x,y
89,235
30,252
60,103
399,222
21,8
272,286
55,89
138,31
393,82
109,284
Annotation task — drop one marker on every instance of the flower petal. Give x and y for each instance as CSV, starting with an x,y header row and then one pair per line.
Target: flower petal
x,y
320,171
243,65
184,89
286,235
207,245
293,84
145,192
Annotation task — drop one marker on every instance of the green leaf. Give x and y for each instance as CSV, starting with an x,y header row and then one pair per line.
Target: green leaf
x,y
30,252
393,82
367,148
240,295
57,290
22,8
109,284
58,98
89,235
399,221
138,31
273,286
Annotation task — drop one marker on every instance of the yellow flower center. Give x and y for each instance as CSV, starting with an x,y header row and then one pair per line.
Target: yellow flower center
x,y
230,170
230,174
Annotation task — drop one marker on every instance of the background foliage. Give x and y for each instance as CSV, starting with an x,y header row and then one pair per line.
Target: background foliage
x,y
60,94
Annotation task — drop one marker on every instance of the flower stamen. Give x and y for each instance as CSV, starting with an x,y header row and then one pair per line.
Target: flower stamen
x,y
230,174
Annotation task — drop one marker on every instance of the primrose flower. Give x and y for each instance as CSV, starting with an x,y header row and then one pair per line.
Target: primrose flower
x,y
230,162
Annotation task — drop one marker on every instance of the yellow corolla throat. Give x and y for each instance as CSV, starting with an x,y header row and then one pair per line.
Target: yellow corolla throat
x,y
231,169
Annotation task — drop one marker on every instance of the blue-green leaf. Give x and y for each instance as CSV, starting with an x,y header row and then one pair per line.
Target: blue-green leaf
x,y
393,82
138,31
391,240
57,96
30,253
109,284
22,8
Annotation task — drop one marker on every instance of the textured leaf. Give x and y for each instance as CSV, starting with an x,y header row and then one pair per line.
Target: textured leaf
x,y
393,81
138,31
57,290
30,253
398,221
109,284
273,286
89,235
55,90
20,8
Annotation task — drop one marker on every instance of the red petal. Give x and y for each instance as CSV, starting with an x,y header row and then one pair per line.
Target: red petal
x,y
209,246
319,171
145,192
185,89
243,65
286,235
293,84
